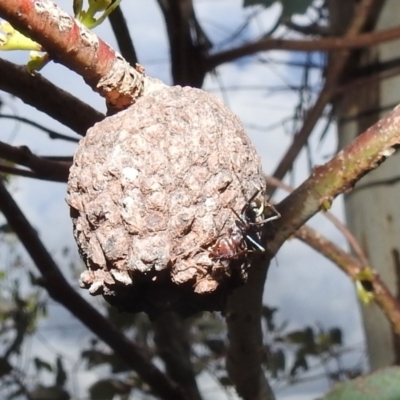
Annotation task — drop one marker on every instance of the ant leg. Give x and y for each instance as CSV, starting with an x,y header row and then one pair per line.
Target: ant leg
x,y
248,202
268,219
258,245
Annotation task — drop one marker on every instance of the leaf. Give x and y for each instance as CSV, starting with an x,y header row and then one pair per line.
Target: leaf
x,y
265,3
217,346
225,381
41,364
304,337
97,357
335,336
300,362
268,314
276,362
382,385
49,393
106,389
290,7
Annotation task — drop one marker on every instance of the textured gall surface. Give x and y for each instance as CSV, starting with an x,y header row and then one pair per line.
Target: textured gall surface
x,y
151,190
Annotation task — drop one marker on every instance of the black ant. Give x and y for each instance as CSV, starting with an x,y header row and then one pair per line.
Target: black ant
x,y
238,241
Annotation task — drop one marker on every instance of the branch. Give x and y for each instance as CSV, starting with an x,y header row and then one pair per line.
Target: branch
x,y
6,169
245,350
52,134
187,41
327,44
121,32
51,170
76,47
244,308
61,291
173,347
334,71
337,176
352,267
40,93
353,242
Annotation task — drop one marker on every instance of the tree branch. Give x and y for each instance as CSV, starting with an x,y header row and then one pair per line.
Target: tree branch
x,y
352,267
333,74
76,47
337,176
6,169
40,93
244,309
52,134
51,170
353,242
61,291
188,42
173,347
245,349
121,32
326,44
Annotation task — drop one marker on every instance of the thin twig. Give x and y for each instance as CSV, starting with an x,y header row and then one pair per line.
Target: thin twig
x,y
337,176
320,44
353,242
352,267
40,93
121,32
333,74
54,170
6,169
52,134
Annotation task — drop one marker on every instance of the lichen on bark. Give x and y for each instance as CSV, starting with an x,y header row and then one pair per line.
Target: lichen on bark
x,y
151,190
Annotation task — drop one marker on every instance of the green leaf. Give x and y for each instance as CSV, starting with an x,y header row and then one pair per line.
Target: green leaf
x,y
49,393
382,385
11,39
106,389
304,337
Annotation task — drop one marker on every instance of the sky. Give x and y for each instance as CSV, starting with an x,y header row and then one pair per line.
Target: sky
x,y
307,289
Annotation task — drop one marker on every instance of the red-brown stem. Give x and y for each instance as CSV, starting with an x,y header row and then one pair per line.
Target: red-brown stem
x,y
324,44
76,47
353,242
54,170
333,73
337,176
351,266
